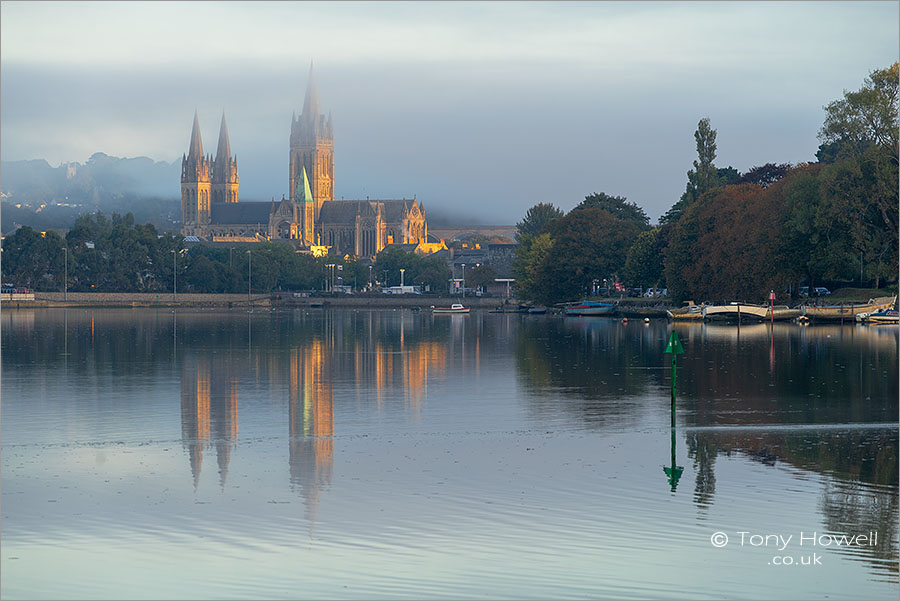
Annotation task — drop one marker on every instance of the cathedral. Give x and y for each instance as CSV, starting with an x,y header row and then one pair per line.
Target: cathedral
x,y
309,216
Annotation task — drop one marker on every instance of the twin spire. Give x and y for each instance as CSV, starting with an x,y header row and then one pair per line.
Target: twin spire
x,y
196,147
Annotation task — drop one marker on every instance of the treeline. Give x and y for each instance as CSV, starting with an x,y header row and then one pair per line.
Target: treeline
x,y
735,235
116,254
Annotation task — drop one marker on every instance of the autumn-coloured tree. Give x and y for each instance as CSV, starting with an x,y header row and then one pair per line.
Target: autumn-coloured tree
x,y
723,248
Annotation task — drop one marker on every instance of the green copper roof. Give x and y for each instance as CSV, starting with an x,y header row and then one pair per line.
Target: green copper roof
x,y
303,194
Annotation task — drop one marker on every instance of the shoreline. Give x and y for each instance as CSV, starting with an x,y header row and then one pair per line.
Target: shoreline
x,y
628,308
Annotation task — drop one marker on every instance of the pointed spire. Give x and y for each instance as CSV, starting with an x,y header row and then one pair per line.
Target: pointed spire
x,y
224,149
303,193
196,148
311,110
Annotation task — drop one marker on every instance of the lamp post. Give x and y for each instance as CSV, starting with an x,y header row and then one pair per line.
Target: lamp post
x,y
464,280
66,278
401,279
370,277
174,275
249,274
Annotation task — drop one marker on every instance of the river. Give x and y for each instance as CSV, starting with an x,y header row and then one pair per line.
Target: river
x,y
149,453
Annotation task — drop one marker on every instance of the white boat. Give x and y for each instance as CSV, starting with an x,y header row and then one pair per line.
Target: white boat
x,y
735,311
453,309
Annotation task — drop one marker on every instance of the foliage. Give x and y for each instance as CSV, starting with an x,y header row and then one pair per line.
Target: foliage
x,y
764,175
481,275
419,270
723,247
868,116
618,207
703,177
527,265
536,218
644,261
588,244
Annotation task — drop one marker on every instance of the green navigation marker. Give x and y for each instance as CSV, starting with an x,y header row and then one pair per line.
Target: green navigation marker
x,y
674,347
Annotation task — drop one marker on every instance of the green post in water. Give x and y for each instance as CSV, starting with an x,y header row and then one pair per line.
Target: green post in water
x,y
674,348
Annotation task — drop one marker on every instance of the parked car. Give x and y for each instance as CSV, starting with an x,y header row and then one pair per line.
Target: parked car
x,y
635,292
817,291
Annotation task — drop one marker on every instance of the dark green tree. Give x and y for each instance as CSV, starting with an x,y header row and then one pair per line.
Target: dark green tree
x,y
618,207
703,177
536,218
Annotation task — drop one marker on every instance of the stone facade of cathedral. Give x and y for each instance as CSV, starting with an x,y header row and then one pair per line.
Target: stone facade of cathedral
x,y
310,216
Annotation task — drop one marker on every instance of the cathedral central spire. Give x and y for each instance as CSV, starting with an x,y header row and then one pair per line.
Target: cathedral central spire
x,y
311,107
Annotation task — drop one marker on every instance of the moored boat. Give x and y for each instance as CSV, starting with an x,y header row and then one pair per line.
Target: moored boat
x,y
689,312
735,311
849,310
782,312
453,309
881,316
537,310
591,308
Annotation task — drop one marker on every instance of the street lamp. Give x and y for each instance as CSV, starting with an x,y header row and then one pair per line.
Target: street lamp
x,y
370,277
174,275
249,273
66,279
464,280
401,278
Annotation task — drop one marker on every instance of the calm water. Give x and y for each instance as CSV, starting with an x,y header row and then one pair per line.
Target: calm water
x,y
363,454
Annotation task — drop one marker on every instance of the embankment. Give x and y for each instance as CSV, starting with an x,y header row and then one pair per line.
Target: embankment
x,y
137,299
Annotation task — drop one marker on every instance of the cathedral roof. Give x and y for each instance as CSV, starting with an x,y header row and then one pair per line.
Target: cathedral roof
x,y
196,149
240,212
340,212
224,150
303,193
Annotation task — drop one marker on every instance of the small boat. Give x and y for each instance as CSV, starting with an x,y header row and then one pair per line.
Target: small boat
x,y
881,316
690,312
735,311
849,310
511,309
782,313
453,309
537,310
591,308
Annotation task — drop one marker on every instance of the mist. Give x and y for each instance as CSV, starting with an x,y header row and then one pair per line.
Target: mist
x,y
482,137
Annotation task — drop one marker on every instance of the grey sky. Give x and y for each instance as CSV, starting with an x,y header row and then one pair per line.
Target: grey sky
x,y
484,108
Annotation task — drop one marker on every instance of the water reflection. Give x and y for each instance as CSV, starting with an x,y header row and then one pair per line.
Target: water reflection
x,y
817,399
479,439
209,410
311,418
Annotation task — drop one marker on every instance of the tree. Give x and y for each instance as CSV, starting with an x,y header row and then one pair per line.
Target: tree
x,y
527,264
588,244
536,218
765,175
703,177
644,262
867,116
724,246
481,275
618,207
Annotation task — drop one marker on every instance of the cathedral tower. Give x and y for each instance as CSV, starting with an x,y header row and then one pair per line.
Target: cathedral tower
x,y
195,186
224,170
312,148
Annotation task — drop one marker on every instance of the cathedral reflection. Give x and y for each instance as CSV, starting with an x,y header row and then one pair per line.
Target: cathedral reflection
x,y
209,412
311,423
378,365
